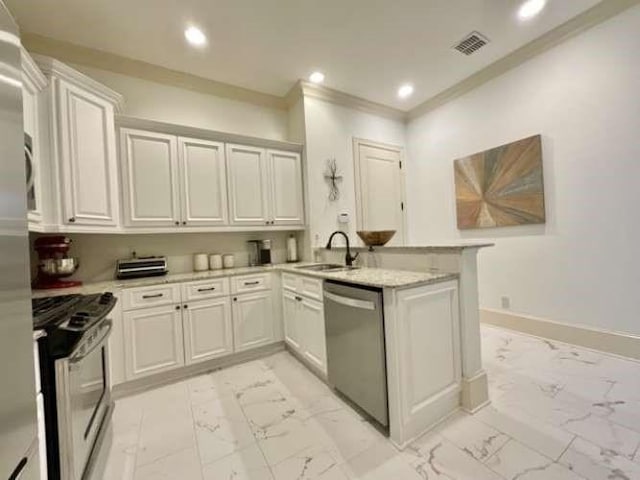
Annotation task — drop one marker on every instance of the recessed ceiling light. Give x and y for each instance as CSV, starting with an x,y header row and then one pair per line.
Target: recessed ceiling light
x,y
195,36
405,91
531,8
316,77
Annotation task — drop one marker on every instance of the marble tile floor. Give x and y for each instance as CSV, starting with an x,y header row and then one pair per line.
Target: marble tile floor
x,y
557,412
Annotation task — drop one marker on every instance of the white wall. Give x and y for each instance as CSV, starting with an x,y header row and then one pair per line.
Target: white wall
x,y
164,103
98,252
330,130
582,267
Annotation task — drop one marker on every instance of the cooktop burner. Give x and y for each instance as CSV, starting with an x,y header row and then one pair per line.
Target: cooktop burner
x,y
51,309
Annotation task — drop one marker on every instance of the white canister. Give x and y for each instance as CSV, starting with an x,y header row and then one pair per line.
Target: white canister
x,y
228,260
215,261
200,262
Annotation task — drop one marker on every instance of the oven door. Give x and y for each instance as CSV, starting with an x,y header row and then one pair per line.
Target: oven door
x,y
83,401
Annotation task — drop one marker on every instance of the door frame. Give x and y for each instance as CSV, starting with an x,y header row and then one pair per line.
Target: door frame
x,y
357,143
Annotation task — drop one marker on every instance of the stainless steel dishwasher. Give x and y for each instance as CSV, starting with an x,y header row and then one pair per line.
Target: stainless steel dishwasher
x,y
356,362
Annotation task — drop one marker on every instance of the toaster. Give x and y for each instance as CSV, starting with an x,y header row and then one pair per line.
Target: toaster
x,y
141,267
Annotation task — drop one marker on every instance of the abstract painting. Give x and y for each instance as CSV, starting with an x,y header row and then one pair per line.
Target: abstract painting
x,y
501,187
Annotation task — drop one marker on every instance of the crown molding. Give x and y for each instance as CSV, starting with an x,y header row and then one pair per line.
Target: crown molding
x,y
31,70
53,67
77,54
587,19
100,59
310,90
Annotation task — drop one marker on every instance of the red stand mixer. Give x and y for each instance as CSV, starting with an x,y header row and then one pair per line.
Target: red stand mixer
x,y
54,264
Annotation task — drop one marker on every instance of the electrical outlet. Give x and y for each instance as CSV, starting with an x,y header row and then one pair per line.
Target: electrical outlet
x,y
506,302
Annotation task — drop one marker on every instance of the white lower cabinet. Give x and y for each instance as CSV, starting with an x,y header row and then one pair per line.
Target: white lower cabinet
x,y
208,330
252,320
153,340
164,327
303,311
292,324
314,347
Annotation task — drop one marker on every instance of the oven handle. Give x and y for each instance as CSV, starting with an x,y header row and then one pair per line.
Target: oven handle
x,y
75,358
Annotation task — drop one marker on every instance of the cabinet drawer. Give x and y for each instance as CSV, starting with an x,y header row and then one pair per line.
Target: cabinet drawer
x,y
290,282
155,296
218,287
310,287
250,283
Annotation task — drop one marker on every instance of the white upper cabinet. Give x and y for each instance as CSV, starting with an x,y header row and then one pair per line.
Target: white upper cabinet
x,y
87,150
248,185
203,183
150,178
285,182
83,147
33,82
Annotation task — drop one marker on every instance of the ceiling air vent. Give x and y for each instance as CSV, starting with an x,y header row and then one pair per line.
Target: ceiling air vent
x,y
471,43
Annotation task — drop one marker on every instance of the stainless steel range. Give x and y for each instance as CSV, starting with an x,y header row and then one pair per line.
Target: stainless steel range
x,y
74,359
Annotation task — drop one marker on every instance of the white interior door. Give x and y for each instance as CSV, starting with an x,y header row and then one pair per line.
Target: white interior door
x,y
285,185
149,168
248,185
203,182
380,189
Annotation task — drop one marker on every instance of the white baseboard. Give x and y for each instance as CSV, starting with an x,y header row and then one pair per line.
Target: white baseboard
x,y
615,343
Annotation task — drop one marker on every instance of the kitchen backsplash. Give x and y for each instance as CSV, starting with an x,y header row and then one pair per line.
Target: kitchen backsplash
x,y
98,252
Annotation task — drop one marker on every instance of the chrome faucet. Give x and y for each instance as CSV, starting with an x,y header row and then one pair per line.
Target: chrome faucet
x,y
348,259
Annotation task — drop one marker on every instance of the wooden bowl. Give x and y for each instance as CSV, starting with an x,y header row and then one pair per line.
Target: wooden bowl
x,y
375,238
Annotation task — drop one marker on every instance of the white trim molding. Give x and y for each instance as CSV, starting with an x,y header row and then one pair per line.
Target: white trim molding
x,y
310,90
597,14
51,66
616,343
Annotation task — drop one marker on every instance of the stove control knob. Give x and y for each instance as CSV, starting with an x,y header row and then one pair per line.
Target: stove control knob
x,y
78,320
106,298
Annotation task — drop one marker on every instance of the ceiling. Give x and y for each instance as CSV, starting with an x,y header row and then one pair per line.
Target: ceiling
x,y
366,48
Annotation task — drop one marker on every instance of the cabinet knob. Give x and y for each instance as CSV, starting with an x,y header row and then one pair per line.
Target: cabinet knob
x,y
235,299
186,306
184,223
177,307
177,223
267,222
72,220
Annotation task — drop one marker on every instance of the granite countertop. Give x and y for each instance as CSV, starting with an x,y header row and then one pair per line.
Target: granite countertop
x,y
373,277
441,248
111,285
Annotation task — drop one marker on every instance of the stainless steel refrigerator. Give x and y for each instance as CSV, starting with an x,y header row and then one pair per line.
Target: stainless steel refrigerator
x,y
18,417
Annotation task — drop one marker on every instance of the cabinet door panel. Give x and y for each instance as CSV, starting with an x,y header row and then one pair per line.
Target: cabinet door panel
x,y
150,181
291,315
252,320
207,329
203,182
247,179
314,343
87,148
154,341
285,182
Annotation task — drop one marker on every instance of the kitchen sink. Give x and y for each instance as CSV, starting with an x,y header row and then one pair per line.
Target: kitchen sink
x,y
326,267
320,267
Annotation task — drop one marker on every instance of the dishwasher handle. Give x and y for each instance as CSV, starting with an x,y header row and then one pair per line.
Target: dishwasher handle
x,y
351,302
